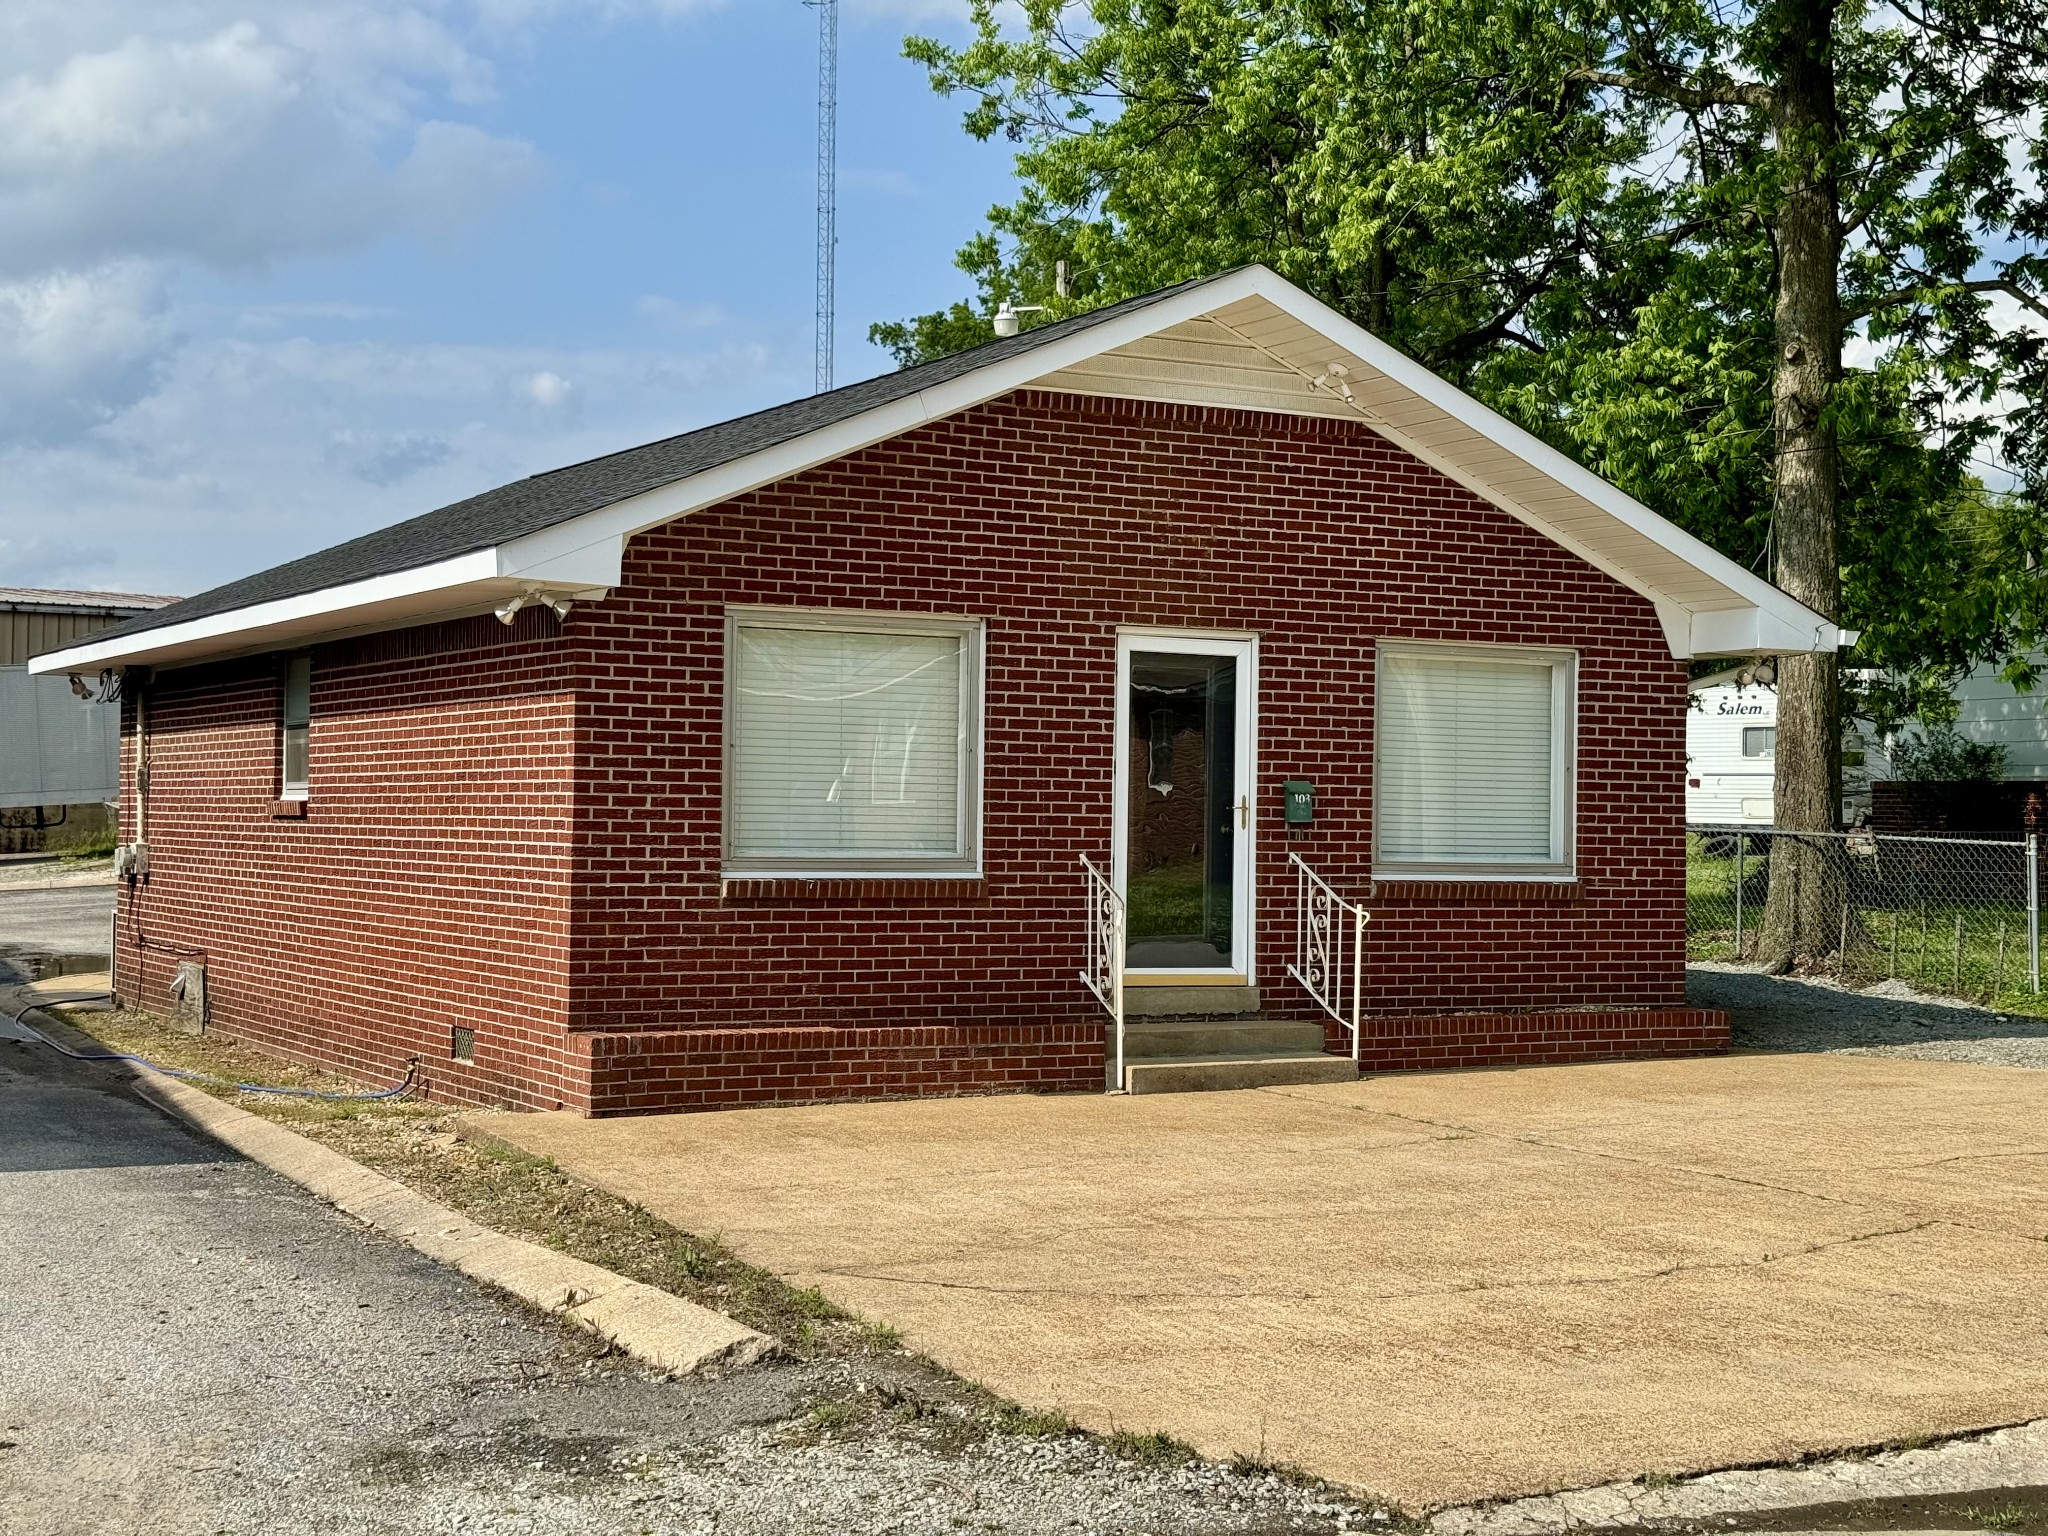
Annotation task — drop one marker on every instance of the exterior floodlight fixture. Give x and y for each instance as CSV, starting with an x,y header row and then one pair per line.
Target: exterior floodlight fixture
x,y
1333,379
1008,316
560,602
78,687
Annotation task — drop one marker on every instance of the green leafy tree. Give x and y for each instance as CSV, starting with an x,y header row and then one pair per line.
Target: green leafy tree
x,y
1773,268
1945,755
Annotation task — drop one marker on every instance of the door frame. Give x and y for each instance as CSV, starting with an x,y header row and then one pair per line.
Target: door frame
x,y
1197,642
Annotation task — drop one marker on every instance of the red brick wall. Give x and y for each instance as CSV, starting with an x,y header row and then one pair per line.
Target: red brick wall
x,y
510,900
1056,520
426,887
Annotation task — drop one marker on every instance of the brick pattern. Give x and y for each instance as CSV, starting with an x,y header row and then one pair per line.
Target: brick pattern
x,y
724,1068
426,886
2007,808
1544,1038
519,830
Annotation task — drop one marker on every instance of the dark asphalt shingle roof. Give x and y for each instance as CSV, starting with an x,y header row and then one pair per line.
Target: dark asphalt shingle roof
x,y
544,500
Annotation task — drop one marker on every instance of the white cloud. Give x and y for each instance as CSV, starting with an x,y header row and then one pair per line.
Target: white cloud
x,y
76,347
547,391
152,446
248,453
238,148
385,458
139,140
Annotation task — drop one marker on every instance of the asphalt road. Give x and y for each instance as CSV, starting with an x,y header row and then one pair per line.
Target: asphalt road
x,y
193,1345
69,920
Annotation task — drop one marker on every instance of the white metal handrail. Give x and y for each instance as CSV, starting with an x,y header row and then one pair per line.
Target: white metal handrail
x,y
1104,972
1322,921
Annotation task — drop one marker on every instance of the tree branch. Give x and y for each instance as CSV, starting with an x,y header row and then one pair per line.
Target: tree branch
x,y
1912,292
1694,98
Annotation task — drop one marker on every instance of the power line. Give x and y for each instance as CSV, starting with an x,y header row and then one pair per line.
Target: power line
x,y
828,180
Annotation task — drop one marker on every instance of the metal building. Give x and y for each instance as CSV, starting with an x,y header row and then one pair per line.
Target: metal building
x,y
57,751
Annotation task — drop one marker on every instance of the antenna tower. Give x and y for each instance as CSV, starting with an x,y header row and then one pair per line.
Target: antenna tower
x,y
828,179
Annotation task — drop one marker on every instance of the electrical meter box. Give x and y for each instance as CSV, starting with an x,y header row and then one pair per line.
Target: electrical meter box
x,y
1300,802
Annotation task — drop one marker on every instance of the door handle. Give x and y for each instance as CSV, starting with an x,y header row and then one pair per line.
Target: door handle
x,y
1244,813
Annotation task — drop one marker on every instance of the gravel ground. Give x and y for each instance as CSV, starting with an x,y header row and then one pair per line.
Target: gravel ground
x,y
1780,1013
195,1347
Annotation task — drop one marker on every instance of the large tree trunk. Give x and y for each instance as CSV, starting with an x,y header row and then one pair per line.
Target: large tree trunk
x,y
1803,917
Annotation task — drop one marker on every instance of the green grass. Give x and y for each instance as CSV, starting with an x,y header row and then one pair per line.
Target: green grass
x,y
100,845
2002,1518
1154,1450
1165,901
1040,1424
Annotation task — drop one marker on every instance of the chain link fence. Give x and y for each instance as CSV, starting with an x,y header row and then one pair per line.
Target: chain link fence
x,y
1954,915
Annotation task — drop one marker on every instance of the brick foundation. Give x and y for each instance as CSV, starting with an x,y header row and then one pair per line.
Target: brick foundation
x,y
1534,1039
643,1072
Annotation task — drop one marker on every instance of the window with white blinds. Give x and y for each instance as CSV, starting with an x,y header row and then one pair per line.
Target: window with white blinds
x,y
851,743
295,771
1473,760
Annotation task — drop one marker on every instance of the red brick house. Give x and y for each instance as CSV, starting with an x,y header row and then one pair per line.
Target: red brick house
x,y
977,727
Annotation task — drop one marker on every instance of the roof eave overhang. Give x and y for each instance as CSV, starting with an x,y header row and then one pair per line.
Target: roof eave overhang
x,y
470,584
583,555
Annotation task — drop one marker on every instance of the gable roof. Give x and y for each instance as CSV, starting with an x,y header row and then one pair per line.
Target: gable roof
x,y
1245,338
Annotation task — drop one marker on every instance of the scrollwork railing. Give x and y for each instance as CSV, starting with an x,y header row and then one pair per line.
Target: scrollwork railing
x,y
1103,973
1329,948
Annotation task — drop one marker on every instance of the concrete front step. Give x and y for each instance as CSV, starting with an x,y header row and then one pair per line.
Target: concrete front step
x,y
1220,1037
1202,1074
1182,1002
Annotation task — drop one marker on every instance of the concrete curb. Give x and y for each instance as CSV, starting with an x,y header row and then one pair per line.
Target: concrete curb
x,y
648,1323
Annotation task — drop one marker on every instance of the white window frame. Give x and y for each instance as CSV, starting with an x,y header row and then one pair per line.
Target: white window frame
x,y
288,788
1562,862
964,861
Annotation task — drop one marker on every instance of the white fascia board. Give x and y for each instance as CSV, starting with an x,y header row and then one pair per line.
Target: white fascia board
x,y
1763,632
1801,628
265,626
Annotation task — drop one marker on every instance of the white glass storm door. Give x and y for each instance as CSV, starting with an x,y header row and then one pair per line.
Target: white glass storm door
x,y
1185,750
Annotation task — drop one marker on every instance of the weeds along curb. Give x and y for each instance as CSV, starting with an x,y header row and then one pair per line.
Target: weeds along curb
x,y
651,1325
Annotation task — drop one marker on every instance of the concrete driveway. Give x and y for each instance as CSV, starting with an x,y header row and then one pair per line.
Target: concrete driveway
x,y
1436,1287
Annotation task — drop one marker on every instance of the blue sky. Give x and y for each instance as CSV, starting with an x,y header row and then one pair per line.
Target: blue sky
x,y
273,275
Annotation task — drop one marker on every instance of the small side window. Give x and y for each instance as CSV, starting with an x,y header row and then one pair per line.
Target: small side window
x,y
298,717
1759,741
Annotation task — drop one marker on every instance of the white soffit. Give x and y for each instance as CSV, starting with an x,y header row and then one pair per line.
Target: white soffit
x,y
1247,339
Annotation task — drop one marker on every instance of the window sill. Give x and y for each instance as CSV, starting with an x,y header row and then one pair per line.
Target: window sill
x,y
289,810
1474,890
753,890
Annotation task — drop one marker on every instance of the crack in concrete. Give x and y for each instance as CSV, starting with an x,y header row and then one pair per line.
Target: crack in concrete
x,y
1739,1180
1592,1152
1968,1157
1475,1288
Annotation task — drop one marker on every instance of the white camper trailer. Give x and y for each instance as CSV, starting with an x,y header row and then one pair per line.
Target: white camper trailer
x,y
1731,742
1731,738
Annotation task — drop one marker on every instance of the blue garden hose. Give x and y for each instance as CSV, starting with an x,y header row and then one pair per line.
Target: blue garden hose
x,y
404,1084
